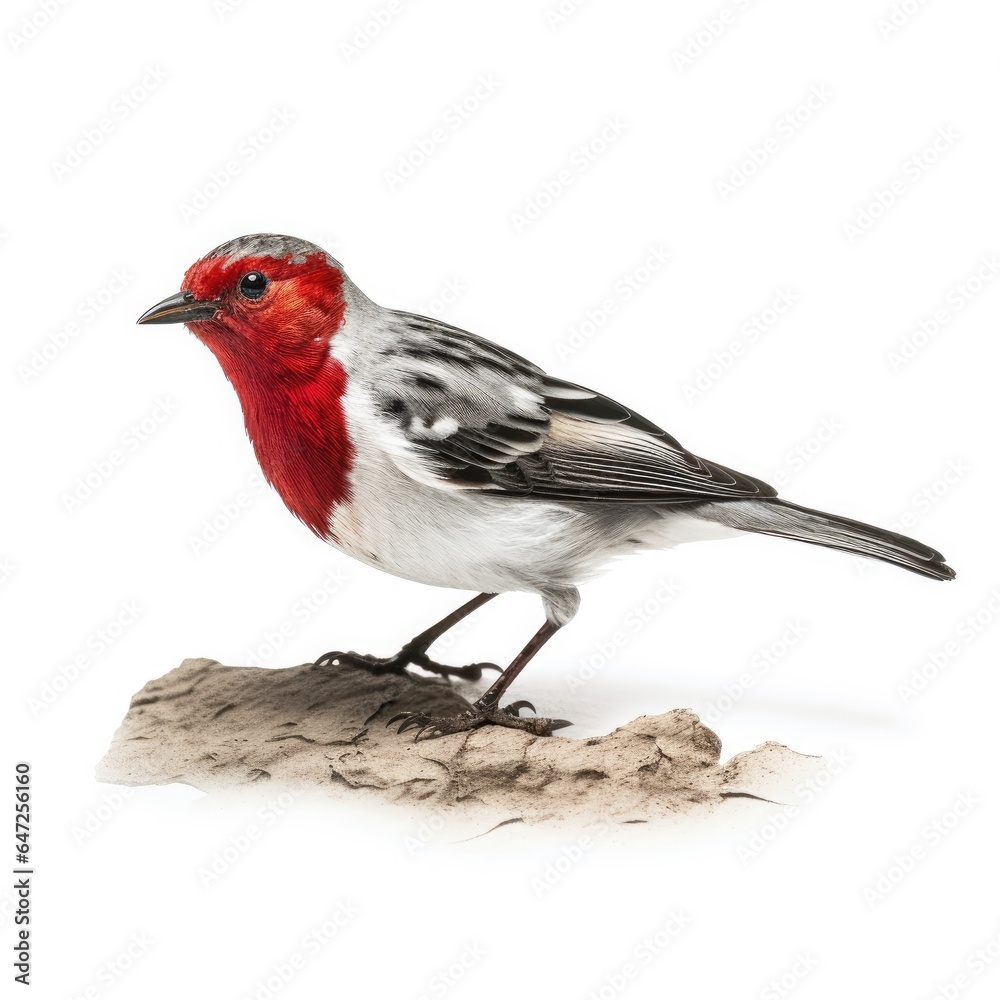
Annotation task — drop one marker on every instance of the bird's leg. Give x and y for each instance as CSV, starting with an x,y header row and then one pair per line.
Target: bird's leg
x,y
487,711
415,651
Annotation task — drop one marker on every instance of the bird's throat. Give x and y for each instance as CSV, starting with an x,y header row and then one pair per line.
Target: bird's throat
x,y
299,434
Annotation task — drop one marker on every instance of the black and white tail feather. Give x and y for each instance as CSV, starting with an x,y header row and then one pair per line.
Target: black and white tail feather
x,y
788,520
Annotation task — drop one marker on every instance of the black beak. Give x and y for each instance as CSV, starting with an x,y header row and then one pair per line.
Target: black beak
x,y
180,308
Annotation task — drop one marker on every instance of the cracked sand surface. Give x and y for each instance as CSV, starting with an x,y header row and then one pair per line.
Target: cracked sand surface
x,y
219,727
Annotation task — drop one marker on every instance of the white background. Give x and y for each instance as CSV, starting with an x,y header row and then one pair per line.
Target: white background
x,y
120,220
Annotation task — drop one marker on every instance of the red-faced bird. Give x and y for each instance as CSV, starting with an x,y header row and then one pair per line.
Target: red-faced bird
x,y
440,457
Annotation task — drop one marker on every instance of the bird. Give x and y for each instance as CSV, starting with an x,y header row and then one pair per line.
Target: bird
x,y
438,456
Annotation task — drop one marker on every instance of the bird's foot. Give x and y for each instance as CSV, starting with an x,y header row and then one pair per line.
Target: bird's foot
x,y
397,664
478,715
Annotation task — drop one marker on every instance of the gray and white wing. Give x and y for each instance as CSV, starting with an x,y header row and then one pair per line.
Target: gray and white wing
x,y
466,414
456,410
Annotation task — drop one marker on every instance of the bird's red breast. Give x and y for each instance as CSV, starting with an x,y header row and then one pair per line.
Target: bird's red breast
x,y
275,350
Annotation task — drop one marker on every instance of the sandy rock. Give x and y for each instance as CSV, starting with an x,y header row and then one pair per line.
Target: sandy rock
x,y
219,727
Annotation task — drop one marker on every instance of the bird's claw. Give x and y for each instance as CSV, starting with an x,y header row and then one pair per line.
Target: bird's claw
x,y
515,708
429,728
470,672
337,657
397,664
410,720
433,727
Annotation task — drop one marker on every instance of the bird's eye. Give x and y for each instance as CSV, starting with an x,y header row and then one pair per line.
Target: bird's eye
x,y
252,285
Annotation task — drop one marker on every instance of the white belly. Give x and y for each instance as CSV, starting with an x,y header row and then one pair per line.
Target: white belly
x,y
447,538
470,540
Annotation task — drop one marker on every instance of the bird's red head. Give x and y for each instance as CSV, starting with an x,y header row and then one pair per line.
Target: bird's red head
x,y
268,307
262,304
